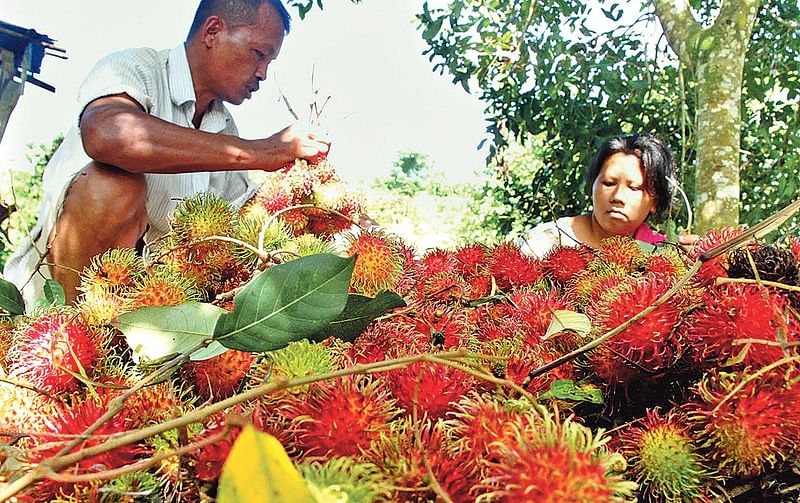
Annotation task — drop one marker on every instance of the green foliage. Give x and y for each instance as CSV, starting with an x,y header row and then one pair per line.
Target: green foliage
x,y
22,195
286,303
416,202
358,313
572,87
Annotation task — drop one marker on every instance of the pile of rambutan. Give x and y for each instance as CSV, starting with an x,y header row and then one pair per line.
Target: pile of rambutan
x,y
589,375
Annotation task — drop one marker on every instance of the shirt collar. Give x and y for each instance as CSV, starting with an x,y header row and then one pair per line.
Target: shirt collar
x,y
180,77
182,91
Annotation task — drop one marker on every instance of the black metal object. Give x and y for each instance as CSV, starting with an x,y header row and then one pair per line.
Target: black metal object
x,y
18,40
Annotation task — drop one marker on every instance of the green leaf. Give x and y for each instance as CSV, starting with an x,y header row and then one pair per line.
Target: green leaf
x,y
286,303
567,389
359,312
54,293
258,470
156,332
10,298
568,320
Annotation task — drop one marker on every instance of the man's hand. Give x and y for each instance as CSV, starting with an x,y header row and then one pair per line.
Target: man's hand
x,y
302,142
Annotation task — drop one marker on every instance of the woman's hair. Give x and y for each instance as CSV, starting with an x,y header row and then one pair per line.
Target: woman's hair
x,y
655,160
237,12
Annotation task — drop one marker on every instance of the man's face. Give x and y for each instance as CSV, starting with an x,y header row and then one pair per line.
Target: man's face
x,y
242,55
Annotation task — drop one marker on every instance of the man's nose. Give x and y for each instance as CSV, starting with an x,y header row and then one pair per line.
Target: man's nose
x,y
261,71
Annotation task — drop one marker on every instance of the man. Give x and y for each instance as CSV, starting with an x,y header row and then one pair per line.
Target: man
x,y
151,130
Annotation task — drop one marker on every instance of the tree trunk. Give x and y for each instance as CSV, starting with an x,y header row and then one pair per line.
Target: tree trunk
x,y
715,57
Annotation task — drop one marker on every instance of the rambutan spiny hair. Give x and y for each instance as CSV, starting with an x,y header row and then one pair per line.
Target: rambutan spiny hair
x,y
664,459
52,348
746,425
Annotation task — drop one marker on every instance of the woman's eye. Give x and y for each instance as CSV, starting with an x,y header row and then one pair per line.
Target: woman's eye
x,y
259,54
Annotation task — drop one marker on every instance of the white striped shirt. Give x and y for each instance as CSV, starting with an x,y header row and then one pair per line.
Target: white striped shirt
x,y
161,82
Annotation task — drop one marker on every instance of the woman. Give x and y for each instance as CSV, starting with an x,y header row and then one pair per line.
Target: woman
x,y
631,179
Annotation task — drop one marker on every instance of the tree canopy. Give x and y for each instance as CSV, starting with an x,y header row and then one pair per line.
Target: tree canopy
x,y
554,76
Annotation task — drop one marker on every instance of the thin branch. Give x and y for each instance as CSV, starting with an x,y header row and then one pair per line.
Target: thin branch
x,y
65,459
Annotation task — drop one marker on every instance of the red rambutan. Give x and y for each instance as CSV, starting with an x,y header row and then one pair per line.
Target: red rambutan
x,y
51,349
716,267
562,263
743,423
339,418
70,422
649,344
511,268
219,377
433,388
553,462
742,322
378,265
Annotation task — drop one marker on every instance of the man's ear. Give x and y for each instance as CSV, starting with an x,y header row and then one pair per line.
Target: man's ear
x,y
212,27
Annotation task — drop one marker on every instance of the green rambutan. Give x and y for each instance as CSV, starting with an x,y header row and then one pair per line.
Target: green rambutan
x,y
201,216
218,377
164,287
743,423
339,418
622,251
595,281
511,268
114,270
308,244
249,230
50,350
298,359
664,460
344,479
378,264
7,328
555,462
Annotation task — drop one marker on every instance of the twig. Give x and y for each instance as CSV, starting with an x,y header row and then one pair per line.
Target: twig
x,y
764,282
65,459
146,463
433,482
752,377
25,385
613,332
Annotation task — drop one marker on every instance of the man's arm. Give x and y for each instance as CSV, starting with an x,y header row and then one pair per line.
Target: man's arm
x,y
116,131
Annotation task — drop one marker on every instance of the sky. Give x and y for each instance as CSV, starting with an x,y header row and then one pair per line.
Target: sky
x,y
384,96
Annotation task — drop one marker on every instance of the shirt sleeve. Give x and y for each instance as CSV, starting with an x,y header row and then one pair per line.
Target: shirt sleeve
x,y
134,72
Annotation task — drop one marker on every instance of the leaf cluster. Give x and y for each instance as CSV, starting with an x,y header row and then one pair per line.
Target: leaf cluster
x,y
561,77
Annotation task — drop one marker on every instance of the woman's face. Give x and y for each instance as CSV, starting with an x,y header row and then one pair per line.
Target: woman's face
x,y
619,197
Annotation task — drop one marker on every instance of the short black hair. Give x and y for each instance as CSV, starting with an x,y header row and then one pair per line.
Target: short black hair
x,y
236,12
656,162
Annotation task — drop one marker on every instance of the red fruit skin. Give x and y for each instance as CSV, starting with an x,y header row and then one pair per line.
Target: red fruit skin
x,y
649,343
339,418
45,349
435,389
70,422
733,315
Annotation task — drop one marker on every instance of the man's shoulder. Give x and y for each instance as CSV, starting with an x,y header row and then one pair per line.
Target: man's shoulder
x,y
136,56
